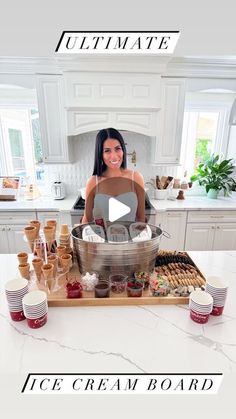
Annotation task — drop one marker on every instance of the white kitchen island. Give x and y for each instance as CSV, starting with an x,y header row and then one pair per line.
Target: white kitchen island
x,y
133,339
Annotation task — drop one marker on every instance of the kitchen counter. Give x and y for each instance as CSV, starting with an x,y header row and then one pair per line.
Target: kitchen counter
x,y
46,203
43,203
195,203
131,339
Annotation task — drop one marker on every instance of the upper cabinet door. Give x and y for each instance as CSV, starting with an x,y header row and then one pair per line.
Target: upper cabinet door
x,y
53,119
167,145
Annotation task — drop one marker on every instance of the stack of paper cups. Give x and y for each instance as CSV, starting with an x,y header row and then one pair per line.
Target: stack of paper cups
x,y
218,289
200,305
15,290
35,308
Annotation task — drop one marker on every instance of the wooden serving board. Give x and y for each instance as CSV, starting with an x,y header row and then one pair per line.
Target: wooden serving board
x,y
59,299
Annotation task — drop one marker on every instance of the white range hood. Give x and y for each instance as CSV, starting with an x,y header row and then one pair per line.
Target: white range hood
x,y
125,101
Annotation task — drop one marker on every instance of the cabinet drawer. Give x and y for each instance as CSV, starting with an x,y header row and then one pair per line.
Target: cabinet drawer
x,y
211,216
14,217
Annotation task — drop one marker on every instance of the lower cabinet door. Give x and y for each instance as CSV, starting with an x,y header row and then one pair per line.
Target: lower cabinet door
x,y
225,237
199,236
16,240
4,248
174,223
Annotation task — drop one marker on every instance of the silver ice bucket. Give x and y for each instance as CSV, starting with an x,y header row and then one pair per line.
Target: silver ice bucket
x,y
106,258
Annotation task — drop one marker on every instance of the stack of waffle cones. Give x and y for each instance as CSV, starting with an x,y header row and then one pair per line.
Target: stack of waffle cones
x,y
24,266
65,238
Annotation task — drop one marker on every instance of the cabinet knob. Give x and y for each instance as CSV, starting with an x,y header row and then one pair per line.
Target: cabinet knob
x,y
213,228
3,229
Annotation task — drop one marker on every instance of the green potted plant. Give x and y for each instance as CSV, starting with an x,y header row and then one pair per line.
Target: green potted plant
x,y
215,175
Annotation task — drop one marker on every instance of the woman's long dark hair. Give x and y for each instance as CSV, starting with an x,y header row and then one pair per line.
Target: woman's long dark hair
x,y
103,135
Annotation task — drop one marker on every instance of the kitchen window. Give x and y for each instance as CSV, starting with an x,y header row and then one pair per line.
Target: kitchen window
x,y
20,144
205,131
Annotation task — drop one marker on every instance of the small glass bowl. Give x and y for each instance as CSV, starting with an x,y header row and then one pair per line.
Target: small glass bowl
x,y
74,290
118,283
102,289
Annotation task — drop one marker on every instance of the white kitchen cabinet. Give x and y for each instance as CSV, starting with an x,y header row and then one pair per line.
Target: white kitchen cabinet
x,y
55,143
199,236
225,237
16,240
215,230
12,226
174,223
166,146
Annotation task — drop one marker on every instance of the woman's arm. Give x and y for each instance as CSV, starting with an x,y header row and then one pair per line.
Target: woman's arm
x,y
140,191
89,200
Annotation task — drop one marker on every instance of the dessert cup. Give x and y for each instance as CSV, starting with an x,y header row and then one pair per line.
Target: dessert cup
x,y
102,289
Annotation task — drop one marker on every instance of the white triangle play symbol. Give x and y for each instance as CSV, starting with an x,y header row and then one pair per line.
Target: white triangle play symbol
x,y
117,209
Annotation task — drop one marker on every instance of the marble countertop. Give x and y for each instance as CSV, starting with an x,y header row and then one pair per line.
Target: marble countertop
x,y
43,203
46,203
195,203
133,339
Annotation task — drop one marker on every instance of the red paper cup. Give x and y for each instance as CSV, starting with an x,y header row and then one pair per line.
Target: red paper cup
x,y
17,316
217,311
37,323
199,318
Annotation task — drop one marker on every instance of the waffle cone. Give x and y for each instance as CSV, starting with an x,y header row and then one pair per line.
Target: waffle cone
x,y
65,229
61,250
24,269
37,265
52,223
53,259
36,224
22,257
30,232
66,262
49,233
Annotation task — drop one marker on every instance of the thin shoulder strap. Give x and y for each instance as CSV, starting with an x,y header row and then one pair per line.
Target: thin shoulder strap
x,y
96,184
133,181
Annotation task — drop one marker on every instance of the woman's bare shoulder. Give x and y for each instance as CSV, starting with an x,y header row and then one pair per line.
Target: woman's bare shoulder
x,y
91,185
91,181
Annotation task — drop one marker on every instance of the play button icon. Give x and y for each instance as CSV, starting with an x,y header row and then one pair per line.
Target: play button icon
x,y
117,209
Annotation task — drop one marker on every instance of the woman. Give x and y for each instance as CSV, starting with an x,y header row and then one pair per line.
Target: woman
x,y
111,178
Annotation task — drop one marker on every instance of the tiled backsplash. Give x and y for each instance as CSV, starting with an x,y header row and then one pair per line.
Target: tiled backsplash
x,y
75,175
